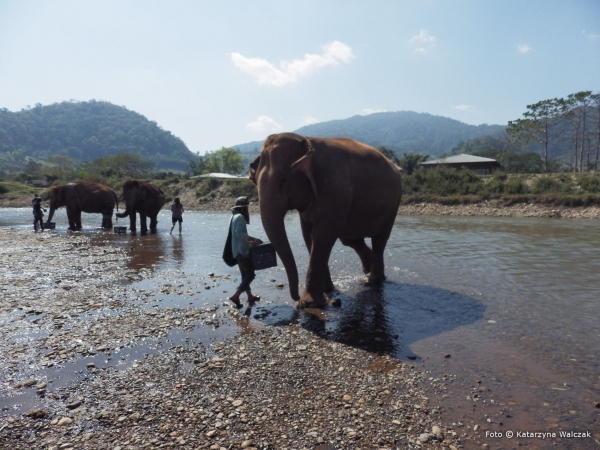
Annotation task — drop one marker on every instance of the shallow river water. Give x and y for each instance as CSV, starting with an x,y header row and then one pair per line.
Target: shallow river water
x,y
511,306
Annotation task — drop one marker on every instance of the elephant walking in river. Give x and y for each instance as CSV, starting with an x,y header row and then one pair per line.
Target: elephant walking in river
x,y
342,189
82,196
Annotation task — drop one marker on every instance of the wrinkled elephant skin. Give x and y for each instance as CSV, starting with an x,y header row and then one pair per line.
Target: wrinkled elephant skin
x,y
83,196
143,198
342,189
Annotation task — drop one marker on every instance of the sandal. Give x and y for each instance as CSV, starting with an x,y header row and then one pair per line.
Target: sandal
x,y
237,303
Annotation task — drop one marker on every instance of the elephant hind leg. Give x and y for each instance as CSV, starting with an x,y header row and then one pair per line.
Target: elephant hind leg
x,y
377,274
364,252
153,223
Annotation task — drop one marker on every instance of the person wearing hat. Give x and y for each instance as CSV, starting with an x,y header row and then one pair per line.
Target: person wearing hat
x,y
240,246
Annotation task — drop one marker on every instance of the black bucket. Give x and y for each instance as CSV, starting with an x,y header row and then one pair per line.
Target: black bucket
x,y
120,230
49,225
263,256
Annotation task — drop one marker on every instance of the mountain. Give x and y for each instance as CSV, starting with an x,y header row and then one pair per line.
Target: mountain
x,y
402,131
86,131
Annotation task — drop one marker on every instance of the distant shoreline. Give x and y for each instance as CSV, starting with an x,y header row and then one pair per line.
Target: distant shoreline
x,y
483,208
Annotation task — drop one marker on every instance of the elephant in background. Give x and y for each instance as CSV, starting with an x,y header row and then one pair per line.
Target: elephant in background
x,y
143,198
342,189
82,196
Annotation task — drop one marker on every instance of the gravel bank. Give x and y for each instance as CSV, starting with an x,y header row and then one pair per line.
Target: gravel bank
x,y
493,208
270,387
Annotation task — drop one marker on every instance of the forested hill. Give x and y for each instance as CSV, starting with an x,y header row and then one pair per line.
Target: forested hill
x,y
403,132
86,131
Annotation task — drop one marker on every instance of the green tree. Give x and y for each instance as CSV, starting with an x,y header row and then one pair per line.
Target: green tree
x,y
59,167
535,127
576,108
196,166
226,160
389,154
410,161
130,165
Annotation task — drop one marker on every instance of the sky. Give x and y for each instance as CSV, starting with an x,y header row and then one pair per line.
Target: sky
x,y
220,73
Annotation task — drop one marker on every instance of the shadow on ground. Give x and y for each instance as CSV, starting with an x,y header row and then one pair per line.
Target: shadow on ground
x,y
382,320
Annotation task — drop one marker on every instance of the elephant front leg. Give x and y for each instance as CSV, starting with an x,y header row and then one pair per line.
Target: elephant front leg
x,y
71,216
78,219
132,224
363,251
306,228
318,277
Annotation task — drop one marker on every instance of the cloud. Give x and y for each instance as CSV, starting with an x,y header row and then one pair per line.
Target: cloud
x,y
423,42
367,111
263,123
593,36
309,120
268,74
524,48
465,108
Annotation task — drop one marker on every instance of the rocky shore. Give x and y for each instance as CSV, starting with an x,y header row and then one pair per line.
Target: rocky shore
x,y
66,382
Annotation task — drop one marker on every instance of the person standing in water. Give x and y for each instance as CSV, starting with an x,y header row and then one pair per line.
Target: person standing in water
x,y
240,246
38,212
177,214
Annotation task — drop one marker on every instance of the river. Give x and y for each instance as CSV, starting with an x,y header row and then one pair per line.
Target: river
x,y
506,309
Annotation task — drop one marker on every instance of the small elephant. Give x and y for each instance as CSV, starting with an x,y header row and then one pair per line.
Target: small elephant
x,y
342,189
82,196
143,198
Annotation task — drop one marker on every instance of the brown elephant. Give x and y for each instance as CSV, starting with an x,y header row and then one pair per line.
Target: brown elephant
x,y
341,188
82,196
143,198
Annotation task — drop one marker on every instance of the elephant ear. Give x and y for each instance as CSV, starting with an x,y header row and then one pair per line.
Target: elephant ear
x,y
253,168
305,165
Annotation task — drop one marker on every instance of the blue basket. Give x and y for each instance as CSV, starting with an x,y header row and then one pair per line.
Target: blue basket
x,y
120,230
263,256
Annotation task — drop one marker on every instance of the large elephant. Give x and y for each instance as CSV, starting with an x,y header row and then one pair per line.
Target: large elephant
x,y
143,198
82,196
342,189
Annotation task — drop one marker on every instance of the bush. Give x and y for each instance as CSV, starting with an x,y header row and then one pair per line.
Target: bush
x,y
239,188
515,186
590,183
546,184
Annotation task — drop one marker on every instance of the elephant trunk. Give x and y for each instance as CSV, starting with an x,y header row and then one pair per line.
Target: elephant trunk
x,y
273,222
51,213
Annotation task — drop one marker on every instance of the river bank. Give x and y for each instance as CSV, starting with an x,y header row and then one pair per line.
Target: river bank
x,y
221,201
70,315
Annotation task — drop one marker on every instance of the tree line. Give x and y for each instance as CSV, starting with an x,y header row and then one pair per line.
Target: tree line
x,y
576,118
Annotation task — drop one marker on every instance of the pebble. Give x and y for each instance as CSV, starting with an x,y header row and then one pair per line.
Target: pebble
x,y
65,421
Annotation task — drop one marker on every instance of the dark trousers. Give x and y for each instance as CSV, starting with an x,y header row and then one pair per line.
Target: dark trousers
x,y
38,219
247,270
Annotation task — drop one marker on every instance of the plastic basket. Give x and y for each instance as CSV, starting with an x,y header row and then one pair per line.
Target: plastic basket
x,y
263,256
49,225
120,230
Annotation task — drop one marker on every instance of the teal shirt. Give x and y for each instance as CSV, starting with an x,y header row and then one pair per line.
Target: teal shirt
x,y
239,237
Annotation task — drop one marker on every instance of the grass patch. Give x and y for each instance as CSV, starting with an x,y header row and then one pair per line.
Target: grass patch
x,y
17,188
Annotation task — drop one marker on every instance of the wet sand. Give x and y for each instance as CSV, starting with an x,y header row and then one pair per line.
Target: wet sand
x,y
268,387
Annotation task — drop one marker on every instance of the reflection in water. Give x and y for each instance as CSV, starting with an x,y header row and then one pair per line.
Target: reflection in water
x,y
145,251
178,252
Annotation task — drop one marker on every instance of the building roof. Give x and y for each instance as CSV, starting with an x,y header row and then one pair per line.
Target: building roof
x,y
460,159
218,175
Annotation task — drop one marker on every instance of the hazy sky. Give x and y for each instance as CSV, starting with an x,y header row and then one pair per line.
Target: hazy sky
x,y
219,73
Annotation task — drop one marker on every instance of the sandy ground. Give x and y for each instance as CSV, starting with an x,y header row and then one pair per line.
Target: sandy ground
x,y
268,388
